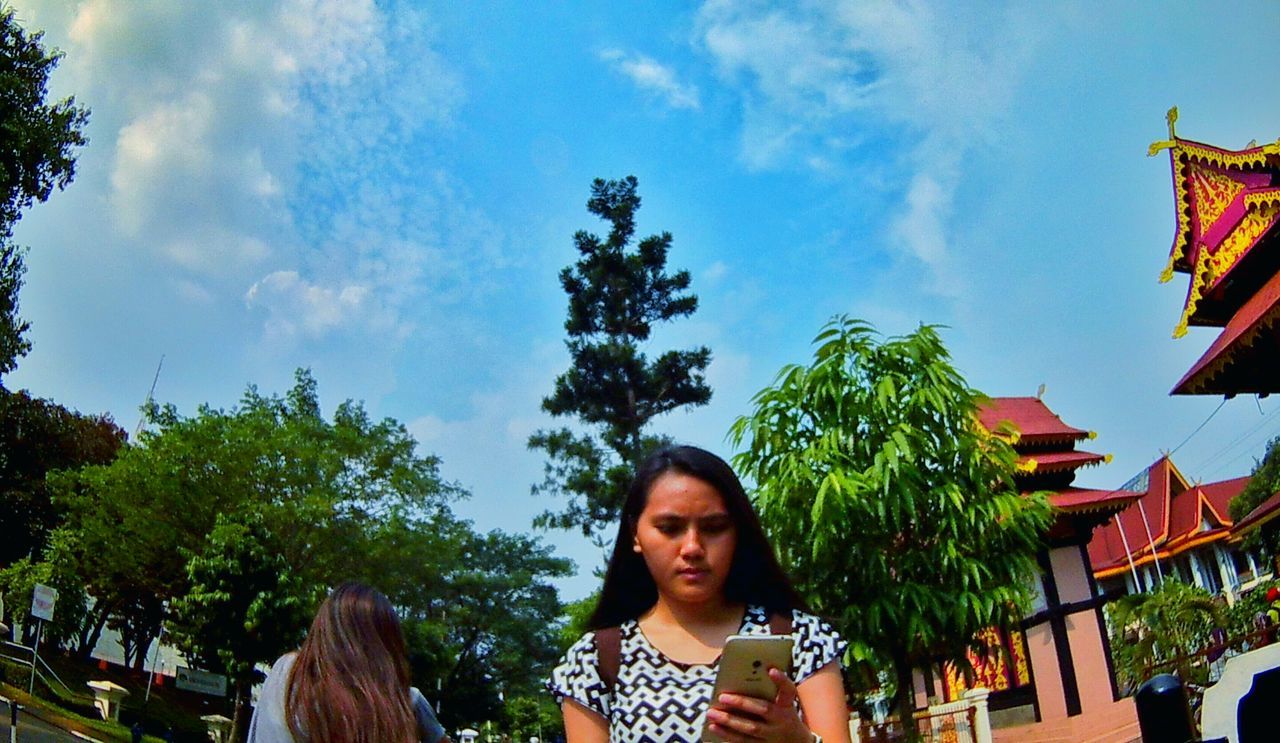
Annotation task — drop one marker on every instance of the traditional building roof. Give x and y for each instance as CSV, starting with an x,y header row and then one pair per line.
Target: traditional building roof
x,y
1060,460
1227,203
1034,421
1079,500
1267,511
1046,446
1242,358
1169,517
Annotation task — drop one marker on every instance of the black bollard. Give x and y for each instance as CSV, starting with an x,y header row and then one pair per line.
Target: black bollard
x,y
1164,716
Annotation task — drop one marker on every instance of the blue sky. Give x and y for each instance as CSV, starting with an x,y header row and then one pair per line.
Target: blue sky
x,y
385,192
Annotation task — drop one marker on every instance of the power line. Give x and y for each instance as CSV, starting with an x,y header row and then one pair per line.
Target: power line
x,y
1203,423
1207,461
1246,452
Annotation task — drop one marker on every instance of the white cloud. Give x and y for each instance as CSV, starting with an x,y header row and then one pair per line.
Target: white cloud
x,y
921,228
655,78
250,142
296,307
715,272
826,85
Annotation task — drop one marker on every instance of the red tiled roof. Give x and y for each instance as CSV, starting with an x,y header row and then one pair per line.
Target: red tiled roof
x,y
1140,525
1032,418
1202,503
1264,513
1078,500
1173,514
1219,494
1053,461
1214,373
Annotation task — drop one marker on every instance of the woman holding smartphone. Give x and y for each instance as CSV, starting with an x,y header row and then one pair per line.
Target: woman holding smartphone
x,y
690,567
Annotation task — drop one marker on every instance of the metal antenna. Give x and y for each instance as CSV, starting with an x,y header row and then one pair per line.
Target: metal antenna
x,y
143,418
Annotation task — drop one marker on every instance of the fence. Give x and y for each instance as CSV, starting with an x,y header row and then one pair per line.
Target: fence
x,y
23,656
962,721
1212,659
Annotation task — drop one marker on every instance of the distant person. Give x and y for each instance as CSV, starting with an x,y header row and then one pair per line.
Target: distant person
x,y
690,567
348,683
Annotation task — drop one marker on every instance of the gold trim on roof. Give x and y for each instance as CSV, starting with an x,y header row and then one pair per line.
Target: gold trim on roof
x,y
1211,267
1227,158
1183,153
1213,193
1266,198
1219,364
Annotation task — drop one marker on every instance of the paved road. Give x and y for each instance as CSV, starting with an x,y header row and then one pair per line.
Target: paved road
x,y
33,730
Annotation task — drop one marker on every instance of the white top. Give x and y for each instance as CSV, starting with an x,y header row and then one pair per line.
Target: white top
x,y
659,699
269,724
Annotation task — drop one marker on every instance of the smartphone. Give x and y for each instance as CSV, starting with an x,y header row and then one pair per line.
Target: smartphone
x,y
744,668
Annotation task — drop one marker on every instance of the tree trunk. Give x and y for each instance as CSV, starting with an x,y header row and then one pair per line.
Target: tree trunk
x,y
87,644
904,699
240,718
140,657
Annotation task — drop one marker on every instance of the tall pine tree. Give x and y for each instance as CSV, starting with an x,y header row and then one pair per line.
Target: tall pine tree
x,y
617,293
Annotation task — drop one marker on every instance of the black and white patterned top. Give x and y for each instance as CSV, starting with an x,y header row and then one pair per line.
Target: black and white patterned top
x,y
658,699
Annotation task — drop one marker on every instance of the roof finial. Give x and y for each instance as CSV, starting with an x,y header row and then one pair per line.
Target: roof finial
x,y
1170,116
1040,392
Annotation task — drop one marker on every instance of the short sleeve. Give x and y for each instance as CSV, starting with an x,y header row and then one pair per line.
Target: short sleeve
x,y
429,728
577,677
816,644
268,724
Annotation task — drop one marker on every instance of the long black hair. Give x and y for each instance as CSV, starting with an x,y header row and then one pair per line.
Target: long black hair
x,y
755,577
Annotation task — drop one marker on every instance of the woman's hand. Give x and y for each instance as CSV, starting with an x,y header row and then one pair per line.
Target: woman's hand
x,y
742,719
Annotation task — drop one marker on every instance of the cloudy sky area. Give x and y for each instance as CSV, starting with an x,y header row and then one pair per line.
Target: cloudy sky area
x,y
385,192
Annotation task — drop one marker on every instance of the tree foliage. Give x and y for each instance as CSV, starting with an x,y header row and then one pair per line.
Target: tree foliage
x,y
37,153
13,329
240,519
37,150
1166,625
228,526
617,294
1264,482
897,514
38,437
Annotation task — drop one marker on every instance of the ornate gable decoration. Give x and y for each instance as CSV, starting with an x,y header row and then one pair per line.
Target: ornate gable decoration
x,y
1227,201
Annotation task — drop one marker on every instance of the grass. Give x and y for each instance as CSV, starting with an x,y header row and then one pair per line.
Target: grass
x,y
167,707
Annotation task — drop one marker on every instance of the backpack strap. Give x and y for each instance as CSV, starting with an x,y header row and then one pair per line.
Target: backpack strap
x,y
781,623
609,654
609,646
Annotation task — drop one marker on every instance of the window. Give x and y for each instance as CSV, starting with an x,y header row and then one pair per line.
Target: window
x,y
1210,578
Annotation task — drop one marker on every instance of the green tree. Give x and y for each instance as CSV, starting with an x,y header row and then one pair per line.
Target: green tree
x,y
17,583
1162,628
525,717
1264,482
501,624
240,519
244,603
37,153
617,293
38,437
897,514
13,329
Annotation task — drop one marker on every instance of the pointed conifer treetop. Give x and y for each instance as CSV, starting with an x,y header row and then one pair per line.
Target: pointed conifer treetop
x,y
618,291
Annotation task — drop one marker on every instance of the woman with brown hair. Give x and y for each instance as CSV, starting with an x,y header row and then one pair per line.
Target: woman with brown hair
x,y
348,683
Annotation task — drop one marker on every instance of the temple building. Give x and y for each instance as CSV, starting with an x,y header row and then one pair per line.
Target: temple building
x,y
1227,238
1052,680
1175,529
